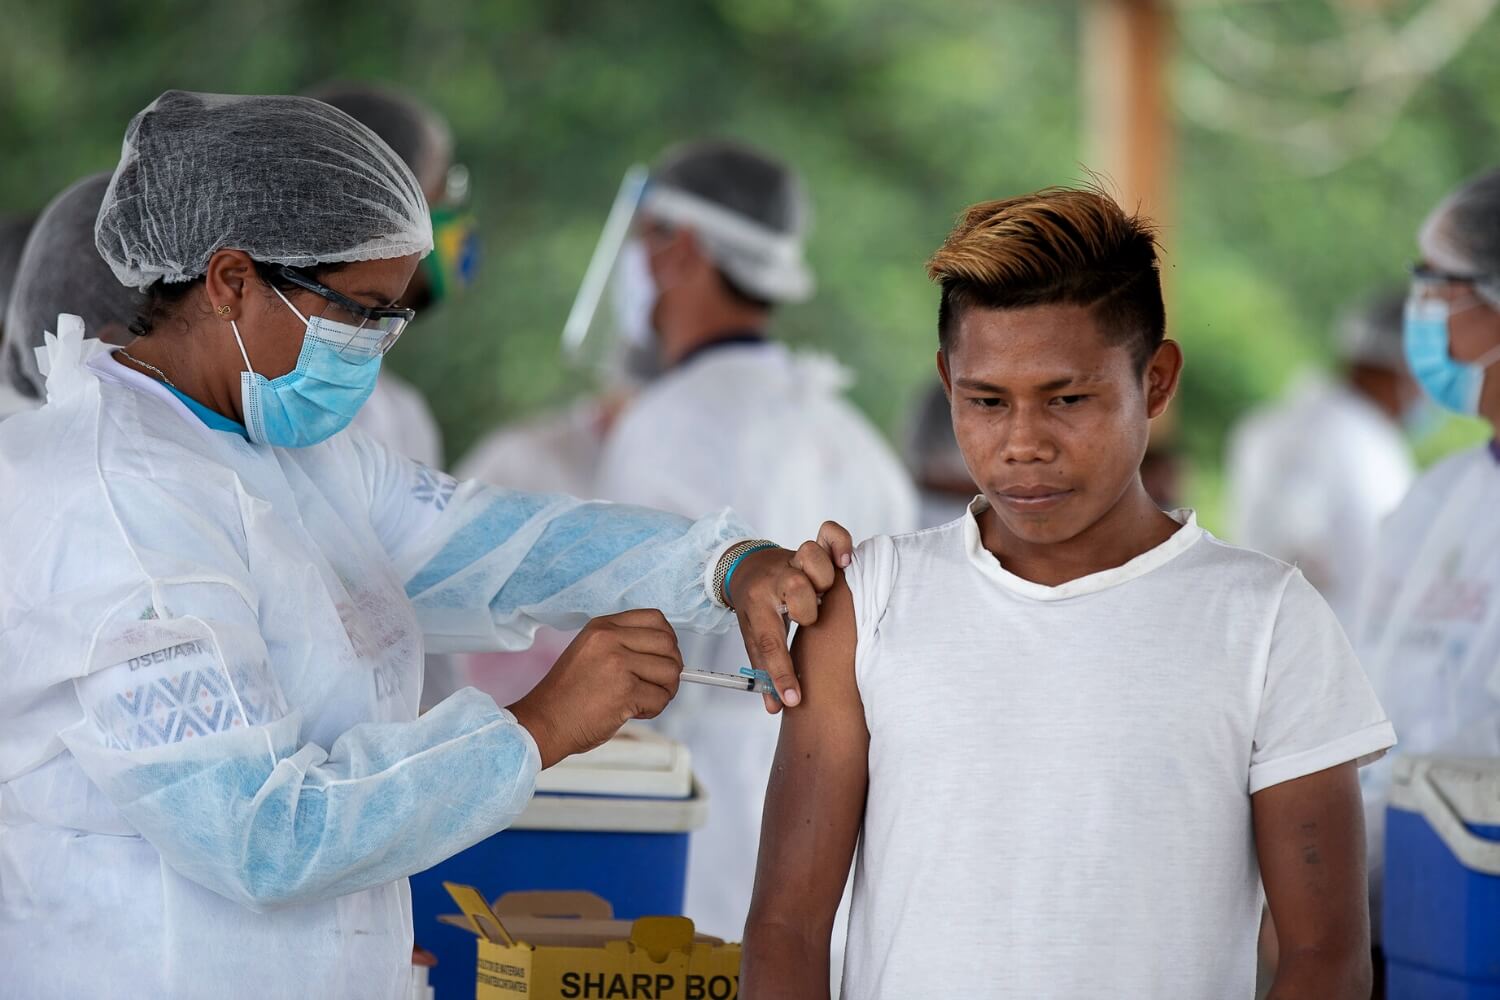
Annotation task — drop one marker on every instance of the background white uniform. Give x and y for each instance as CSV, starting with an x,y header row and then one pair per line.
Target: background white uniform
x,y
1310,479
397,416
767,432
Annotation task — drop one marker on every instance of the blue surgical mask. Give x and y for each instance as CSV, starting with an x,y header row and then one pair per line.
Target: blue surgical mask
x,y
335,374
1454,385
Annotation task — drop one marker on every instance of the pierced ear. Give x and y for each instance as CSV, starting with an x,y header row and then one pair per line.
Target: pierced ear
x,y
227,281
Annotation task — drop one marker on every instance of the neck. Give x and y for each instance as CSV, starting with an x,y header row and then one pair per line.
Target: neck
x,y
1380,388
713,321
194,364
1134,525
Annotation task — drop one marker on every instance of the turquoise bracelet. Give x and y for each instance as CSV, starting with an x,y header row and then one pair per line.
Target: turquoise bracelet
x,y
729,574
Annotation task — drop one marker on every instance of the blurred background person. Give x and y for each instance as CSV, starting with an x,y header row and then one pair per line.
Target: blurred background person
x,y
1312,475
397,415
1428,629
944,486
12,239
60,271
717,245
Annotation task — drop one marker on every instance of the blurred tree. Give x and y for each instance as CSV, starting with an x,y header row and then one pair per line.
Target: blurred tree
x,y
900,112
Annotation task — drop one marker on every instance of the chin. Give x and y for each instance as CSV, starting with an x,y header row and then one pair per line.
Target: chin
x,y
1049,528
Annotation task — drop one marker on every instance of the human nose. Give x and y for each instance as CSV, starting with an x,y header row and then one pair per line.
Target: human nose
x,y
1027,438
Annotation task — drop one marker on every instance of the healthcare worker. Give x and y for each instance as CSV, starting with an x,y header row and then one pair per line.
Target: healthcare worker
x,y
213,779
1429,624
396,414
944,485
1311,476
13,234
718,244
61,270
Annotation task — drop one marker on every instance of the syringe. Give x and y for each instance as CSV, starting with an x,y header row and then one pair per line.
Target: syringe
x,y
748,679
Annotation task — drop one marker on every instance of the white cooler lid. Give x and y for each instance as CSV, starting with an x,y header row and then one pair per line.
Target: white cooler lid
x,y
637,763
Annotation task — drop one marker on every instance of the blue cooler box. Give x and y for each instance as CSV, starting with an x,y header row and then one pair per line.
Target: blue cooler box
x,y
614,821
1441,908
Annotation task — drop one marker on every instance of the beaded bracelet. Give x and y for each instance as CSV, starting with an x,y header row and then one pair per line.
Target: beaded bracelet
x,y
730,561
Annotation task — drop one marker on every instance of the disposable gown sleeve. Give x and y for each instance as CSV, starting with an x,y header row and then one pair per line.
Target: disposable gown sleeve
x,y
191,739
485,567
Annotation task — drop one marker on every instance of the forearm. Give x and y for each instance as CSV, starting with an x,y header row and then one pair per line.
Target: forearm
x,y
271,829
1327,974
784,962
512,562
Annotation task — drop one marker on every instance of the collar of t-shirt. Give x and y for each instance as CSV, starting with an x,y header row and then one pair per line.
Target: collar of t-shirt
x,y
736,338
190,409
1182,539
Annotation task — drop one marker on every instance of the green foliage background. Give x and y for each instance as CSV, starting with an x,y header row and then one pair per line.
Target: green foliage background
x,y
899,112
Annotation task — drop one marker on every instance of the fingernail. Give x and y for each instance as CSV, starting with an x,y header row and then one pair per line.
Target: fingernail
x,y
791,697
845,560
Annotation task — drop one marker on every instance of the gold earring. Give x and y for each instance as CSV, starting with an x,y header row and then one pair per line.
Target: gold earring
x,y
223,310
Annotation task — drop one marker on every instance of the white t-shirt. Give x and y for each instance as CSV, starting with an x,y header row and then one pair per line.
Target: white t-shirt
x,y
1060,777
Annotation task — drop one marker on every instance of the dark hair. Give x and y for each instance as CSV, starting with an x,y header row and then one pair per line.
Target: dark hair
x,y
163,299
1058,246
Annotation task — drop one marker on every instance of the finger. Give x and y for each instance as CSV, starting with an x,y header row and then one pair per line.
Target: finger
x,y
656,642
800,599
772,705
765,642
814,561
661,671
651,701
837,541
639,618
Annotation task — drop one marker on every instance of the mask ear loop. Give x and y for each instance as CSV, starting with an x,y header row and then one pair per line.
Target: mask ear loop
x,y
241,344
308,323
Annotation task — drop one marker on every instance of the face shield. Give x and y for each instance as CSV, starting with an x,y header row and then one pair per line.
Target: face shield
x,y
594,336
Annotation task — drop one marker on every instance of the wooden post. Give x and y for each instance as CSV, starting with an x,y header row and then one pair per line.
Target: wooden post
x,y
1127,50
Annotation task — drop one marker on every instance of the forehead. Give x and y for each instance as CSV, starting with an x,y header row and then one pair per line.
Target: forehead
x,y
1035,344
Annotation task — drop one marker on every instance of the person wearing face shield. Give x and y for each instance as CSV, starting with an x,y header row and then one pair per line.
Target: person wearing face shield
x,y
60,269
1312,476
1428,629
13,234
396,414
735,419
217,594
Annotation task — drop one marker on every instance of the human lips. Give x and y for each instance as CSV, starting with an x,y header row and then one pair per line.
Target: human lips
x,y
1034,497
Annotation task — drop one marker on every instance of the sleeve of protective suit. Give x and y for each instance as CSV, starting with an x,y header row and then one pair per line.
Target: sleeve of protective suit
x,y
485,567
191,739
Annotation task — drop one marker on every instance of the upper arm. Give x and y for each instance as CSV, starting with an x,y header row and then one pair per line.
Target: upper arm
x,y
816,796
1309,837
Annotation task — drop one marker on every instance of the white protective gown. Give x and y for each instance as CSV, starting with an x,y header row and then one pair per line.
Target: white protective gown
x,y
1310,479
770,432
213,780
1429,627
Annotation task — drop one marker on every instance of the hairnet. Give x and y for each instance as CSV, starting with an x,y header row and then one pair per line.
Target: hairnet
x,y
932,452
1370,333
1462,235
60,271
749,211
414,131
12,239
287,180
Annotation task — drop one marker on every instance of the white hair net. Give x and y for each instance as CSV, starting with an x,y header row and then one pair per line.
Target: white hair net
x,y
1462,235
288,180
1370,333
749,212
60,271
